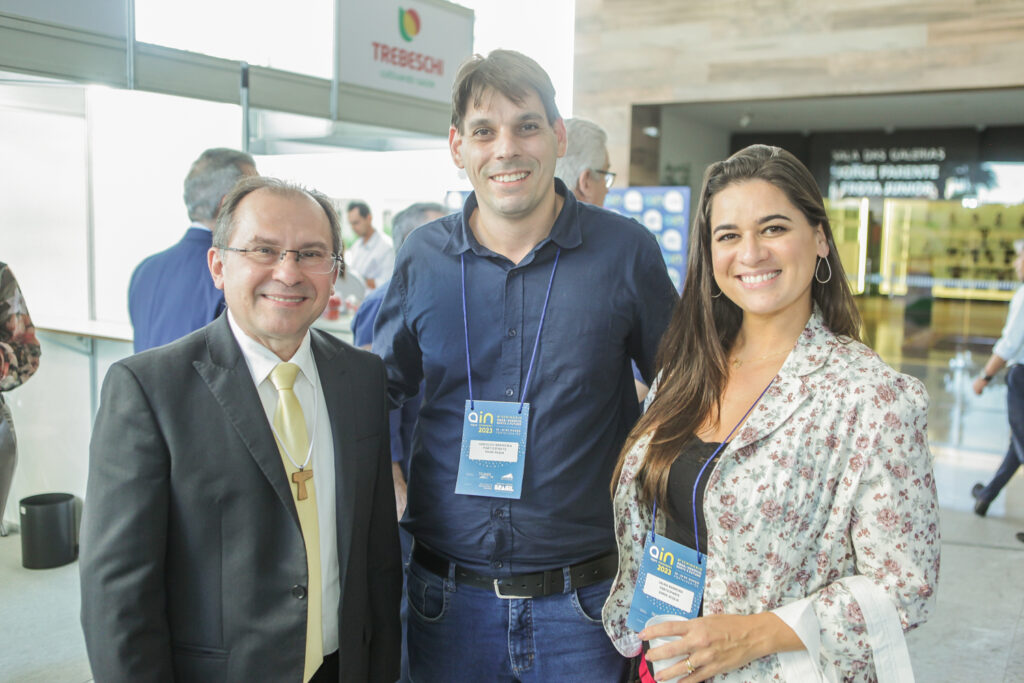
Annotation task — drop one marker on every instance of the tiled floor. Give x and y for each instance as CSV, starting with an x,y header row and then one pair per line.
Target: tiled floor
x,y
40,636
975,634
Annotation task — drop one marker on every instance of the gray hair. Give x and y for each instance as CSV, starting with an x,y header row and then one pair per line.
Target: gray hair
x,y
410,218
226,218
211,177
586,146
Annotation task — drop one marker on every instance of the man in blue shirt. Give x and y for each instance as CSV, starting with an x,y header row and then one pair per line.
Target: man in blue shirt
x,y
541,301
172,293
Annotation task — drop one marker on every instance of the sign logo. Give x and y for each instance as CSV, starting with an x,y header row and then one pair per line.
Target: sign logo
x,y
408,23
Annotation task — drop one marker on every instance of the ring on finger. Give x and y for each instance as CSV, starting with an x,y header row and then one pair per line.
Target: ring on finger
x,y
689,666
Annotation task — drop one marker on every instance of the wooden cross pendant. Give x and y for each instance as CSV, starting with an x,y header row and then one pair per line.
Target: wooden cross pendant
x,y
300,478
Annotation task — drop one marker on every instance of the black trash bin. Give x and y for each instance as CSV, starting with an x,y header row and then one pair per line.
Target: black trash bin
x,y
48,535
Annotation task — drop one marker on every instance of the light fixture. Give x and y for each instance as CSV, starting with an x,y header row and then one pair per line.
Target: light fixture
x,y
651,131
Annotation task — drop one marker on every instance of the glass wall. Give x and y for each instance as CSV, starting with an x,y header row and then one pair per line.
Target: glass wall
x,y
935,300
933,279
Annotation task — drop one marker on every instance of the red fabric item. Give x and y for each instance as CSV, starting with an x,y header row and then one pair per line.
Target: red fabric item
x,y
645,674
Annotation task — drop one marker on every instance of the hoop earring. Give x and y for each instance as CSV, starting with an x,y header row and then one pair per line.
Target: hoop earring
x,y
817,266
715,296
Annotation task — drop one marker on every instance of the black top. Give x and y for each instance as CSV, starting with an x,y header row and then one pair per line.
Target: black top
x,y
684,471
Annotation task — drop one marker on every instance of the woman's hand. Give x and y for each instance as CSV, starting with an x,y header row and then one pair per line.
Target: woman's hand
x,y
719,643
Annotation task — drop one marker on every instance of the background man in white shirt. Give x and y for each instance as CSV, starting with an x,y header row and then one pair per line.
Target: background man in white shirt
x,y
371,256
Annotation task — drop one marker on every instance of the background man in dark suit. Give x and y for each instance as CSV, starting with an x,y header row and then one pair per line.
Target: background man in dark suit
x,y
171,293
239,521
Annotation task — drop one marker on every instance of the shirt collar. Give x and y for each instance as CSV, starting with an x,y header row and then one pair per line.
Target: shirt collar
x,y
261,360
200,226
813,347
565,232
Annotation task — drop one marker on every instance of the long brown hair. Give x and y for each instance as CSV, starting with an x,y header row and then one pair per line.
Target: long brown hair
x,y
693,353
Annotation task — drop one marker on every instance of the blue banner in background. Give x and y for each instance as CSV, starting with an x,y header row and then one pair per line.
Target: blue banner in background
x,y
665,211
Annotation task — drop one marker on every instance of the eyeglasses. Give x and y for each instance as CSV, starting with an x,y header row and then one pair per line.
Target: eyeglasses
x,y
314,261
609,177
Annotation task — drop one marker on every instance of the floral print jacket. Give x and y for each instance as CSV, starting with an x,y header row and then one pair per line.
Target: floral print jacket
x,y
828,488
19,349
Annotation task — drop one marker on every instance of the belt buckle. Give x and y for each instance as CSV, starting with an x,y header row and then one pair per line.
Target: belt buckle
x,y
498,592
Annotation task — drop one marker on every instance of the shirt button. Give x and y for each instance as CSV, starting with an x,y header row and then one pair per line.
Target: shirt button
x,y
497,564
499,513
509,392
511,331
299,592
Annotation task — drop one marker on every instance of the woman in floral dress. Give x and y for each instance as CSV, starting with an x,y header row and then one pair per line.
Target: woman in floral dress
x,y
19,358
818,514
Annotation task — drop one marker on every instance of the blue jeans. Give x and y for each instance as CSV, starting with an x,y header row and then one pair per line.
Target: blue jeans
x,y
1015,453
461,633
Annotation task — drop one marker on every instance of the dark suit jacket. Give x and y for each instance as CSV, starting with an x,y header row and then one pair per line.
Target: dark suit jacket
x,y
172,293
192,557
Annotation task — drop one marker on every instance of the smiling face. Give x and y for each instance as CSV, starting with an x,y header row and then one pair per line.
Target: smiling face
x,y
508,150
275,305
763,249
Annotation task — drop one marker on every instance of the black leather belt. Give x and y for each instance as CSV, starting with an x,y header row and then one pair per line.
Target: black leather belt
x,y
536,585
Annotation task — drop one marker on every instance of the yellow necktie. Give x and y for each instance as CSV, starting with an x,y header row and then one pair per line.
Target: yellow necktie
x,y
290,426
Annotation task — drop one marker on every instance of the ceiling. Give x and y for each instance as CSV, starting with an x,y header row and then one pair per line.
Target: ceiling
x,y
1004,107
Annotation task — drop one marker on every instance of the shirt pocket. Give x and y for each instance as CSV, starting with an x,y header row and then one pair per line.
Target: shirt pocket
x,y
581,349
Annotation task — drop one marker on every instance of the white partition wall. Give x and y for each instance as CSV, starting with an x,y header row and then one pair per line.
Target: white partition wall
x,y
142,147
90,184
44,213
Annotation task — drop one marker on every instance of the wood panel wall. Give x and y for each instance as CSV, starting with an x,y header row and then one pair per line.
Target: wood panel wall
x,y
664,51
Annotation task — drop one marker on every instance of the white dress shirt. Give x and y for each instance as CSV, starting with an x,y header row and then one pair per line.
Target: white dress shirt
x,y
1010,346
372,259
261,361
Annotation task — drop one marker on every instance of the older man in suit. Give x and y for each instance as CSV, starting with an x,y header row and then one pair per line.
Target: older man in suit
x,y
239,520
171,293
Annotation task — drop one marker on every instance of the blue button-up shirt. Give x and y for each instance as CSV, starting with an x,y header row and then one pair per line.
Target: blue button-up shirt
x,y
610,303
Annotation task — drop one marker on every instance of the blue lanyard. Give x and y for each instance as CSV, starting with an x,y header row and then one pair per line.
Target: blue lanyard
x,y
536,342
696,482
